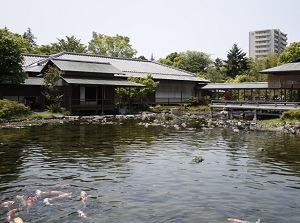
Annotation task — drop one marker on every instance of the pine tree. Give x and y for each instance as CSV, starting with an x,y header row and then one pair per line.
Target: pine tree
x,y
29,35
236,62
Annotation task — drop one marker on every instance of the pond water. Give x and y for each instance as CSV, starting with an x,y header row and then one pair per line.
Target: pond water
x,y
136,174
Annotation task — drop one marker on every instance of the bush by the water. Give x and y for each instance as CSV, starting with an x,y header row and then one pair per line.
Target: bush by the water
x,y
10,109
291,115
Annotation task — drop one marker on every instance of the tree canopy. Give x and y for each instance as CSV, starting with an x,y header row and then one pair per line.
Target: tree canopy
x,y
192,61
236,62
114,46
11,47
138,93
289,54
70,44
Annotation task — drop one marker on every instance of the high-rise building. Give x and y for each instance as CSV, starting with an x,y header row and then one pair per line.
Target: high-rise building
x,y
262,42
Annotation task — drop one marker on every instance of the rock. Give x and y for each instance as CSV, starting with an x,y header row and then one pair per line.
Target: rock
x,y
198,159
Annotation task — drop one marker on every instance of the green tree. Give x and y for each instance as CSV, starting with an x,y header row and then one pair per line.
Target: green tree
x,y
289,54
236,63
212,74
11,47
70,44
31,38
192,61
170,59
138,93
218,63
51,93
45,50
113,46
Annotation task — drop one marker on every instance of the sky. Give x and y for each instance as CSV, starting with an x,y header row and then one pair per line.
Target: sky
x,y
155,27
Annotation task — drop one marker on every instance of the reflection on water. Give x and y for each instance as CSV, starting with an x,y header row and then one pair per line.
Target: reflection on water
x,y
136,174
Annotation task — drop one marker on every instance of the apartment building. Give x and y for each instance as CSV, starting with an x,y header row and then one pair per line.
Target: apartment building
x,y
262,42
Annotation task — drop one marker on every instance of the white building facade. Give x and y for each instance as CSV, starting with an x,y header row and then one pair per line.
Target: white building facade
x,y
263,42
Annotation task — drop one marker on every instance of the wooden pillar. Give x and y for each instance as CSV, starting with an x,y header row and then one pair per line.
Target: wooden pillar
x,y
102,102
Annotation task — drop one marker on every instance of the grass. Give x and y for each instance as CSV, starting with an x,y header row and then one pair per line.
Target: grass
x,y
182,107
38,115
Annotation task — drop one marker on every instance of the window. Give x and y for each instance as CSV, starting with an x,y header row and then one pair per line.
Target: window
x,y
90,93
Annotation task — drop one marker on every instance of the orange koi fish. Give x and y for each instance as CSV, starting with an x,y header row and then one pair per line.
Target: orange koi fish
x,y
10,213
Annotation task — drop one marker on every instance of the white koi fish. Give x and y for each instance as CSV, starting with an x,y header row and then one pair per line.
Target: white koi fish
x,y
83,197
64,195
241,221
81,214
7,203
39,193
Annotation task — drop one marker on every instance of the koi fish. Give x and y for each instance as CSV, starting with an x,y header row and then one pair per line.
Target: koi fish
x,y
30,200
241,221
81,214
64,195
68,194
10,213
83,197
18,220
39,193
21,199
7,203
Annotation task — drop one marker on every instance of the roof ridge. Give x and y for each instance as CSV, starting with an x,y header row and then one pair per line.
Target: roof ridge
x,y
80,61
52,56
108,57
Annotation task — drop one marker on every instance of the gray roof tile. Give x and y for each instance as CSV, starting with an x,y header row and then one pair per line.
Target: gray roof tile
x,y
289,67
101,81
244,85
85,67
130,66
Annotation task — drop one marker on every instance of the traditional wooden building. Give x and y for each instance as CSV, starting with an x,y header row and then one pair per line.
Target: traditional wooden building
x,y
286,78
88,81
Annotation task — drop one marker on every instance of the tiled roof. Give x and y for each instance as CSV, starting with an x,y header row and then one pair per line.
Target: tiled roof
x,y
85,67
244,85
289,67
101,81
30,59
130,66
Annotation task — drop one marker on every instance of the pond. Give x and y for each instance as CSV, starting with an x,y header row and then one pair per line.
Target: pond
x,y
135,173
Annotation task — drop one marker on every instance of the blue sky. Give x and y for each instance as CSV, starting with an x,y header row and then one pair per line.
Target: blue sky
x,y
155,26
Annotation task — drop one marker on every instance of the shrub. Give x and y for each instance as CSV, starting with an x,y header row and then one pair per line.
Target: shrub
x,y
10,109
192,100
290,115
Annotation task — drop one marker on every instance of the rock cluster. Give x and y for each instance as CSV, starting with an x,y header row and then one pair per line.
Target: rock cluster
x,y
164,119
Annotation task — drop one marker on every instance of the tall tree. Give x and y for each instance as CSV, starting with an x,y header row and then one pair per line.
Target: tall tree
x,y
31,38
289,54
114,46
70,44
11,47
236,62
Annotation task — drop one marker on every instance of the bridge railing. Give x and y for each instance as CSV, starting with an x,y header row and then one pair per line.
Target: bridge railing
x,y
255,103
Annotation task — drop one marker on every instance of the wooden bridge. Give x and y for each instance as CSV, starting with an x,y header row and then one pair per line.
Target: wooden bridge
x,y
272,108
